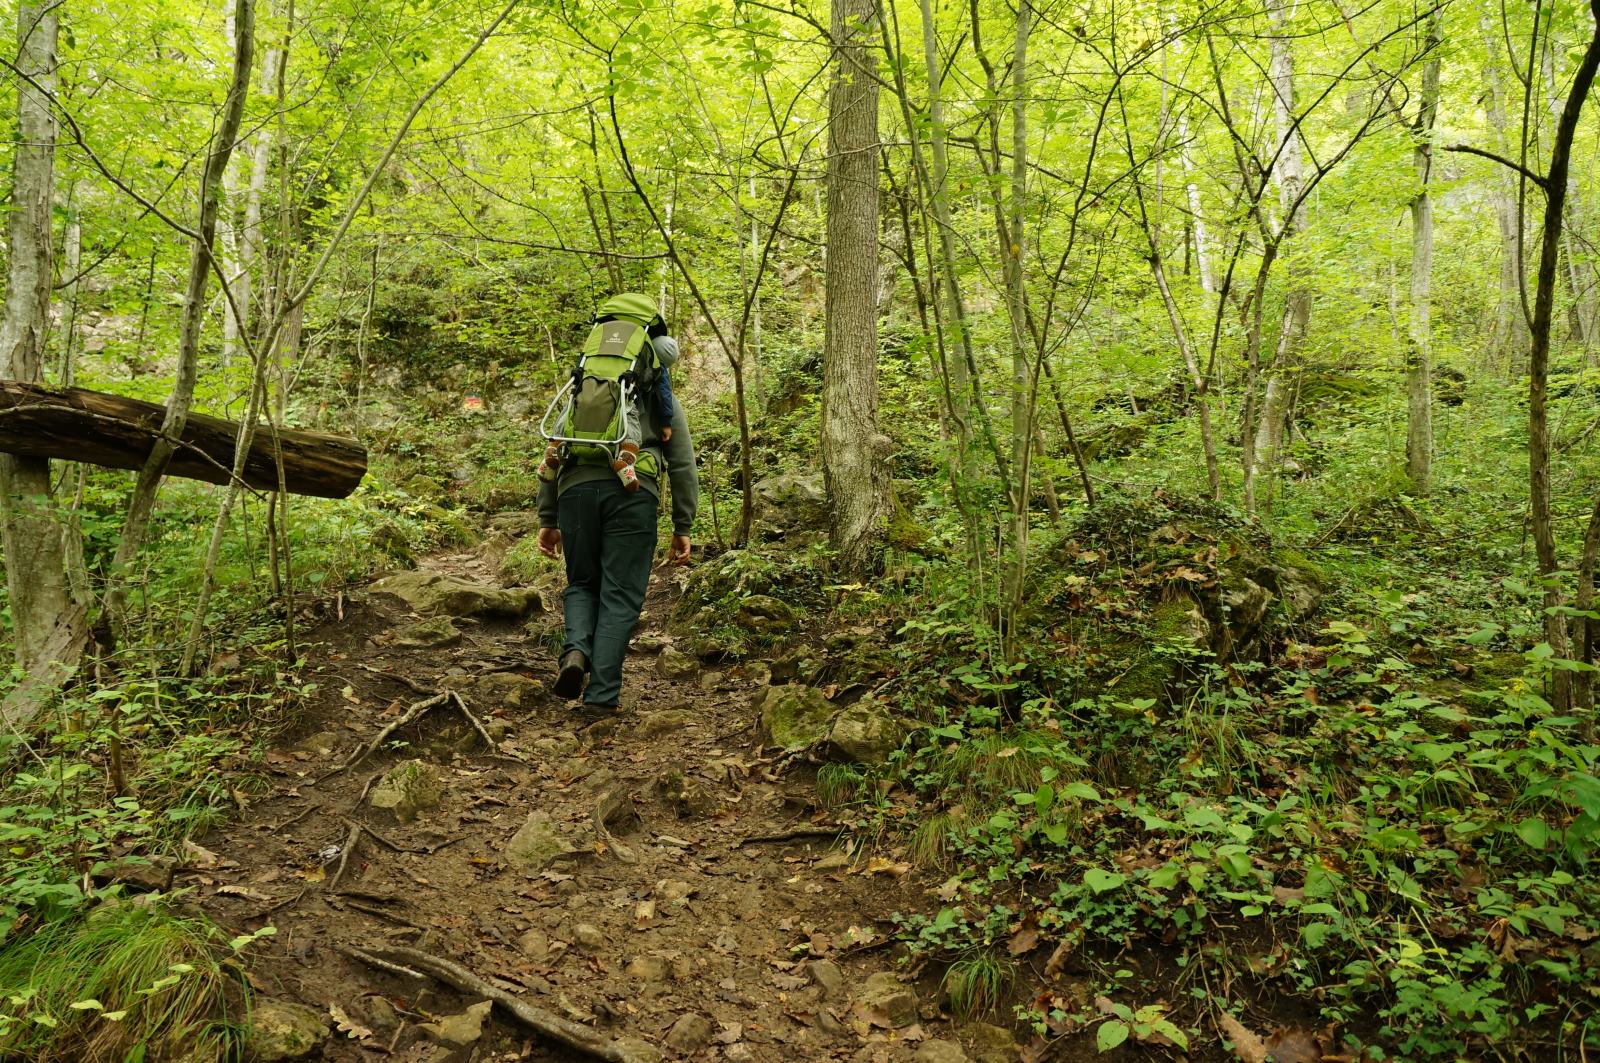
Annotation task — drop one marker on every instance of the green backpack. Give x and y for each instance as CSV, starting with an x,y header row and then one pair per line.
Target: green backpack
x,y
588,416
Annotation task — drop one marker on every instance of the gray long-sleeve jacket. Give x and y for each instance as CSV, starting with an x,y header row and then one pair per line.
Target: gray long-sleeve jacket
x,y
676,456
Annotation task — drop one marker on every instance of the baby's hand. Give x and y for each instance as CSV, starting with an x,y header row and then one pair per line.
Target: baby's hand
x,y
666,434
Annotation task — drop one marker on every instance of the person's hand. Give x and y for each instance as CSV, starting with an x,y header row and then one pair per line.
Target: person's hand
x,y
550,542
678,553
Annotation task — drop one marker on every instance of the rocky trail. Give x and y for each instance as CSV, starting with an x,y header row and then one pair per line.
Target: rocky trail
x,y
660,886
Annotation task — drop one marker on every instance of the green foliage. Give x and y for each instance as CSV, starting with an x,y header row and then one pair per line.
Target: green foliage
x,y
132,980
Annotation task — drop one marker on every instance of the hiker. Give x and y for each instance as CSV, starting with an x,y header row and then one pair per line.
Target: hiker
x,y
619,429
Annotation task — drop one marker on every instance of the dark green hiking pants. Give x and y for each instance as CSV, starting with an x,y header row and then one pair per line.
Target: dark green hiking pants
x,y
609,538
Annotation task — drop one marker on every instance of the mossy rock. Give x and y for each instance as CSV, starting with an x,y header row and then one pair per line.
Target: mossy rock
x,y
408,790
793,716
281,1029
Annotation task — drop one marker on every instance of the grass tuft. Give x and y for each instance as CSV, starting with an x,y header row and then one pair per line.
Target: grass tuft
x,y
129,981
978,984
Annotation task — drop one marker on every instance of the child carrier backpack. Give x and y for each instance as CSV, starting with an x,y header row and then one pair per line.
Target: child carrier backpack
x,y
589,417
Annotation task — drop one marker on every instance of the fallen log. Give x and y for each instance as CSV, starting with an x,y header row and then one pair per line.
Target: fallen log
x,y
90,426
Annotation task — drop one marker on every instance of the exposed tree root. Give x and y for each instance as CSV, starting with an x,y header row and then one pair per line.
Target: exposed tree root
x,y
408,962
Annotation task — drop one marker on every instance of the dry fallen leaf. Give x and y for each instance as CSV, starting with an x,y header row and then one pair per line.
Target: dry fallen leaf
x,y
644,913
1023,941
882,865
242,891
1251,1048
347,1026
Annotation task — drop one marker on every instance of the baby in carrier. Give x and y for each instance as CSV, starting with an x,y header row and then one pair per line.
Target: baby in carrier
x,y
658,394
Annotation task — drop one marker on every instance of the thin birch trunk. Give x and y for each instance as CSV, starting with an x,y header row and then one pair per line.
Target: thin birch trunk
x,y
142,501
35,567
1419,361
1290,173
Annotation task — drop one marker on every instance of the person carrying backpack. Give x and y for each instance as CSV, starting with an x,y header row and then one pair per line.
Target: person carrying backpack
x,y
613,431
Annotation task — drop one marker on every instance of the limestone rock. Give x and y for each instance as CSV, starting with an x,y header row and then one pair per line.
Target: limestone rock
x,y
648,968
516,523
656,724
409,789
690,1033
674,664
865,732
688,797
940,1052
992,1044
886,993
793,716
322,742
437,594
281,1029
634,1050
539,843
535,944
510,690
588,937
650,642
791,501
434,634
828,976
765,614
462,1029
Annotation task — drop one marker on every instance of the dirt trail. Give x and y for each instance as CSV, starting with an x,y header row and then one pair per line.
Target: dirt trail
x,y
665,909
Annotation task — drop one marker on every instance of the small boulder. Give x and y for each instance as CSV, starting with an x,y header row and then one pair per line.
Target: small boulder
x,y
791,501
885,993
281,1029
992,1044
588,937
674,664
764,614
539,843
793,716
865,732
323,742
408,790
649,969
940,1052
516,523
688,797
656,724
535,944
650,642
435,634
690,1033
510,690
459,1030
436,594
828,976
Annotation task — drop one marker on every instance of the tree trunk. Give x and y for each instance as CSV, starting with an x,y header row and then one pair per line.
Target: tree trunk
x,y
1290,172
853,451
938,197
1023,396
1508,342
142,501
1555,188
35,565
1419,353
120,433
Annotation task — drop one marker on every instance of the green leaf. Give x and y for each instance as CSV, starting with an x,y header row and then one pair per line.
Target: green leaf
x,y
88,1004
1534,832
1111,1034
1101,881
1314,934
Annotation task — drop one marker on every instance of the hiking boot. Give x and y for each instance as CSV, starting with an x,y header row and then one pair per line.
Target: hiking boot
x,y
569,681
590,712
